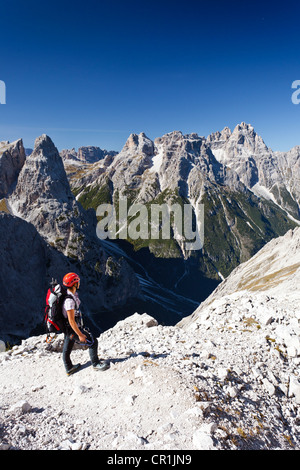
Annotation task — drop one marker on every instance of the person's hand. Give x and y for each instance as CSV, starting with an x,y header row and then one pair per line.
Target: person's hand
x,y
82,338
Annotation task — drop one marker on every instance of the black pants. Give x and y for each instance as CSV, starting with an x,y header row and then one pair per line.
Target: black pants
x,y
69,342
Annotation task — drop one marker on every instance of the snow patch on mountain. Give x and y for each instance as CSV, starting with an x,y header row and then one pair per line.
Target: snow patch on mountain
x,y
157,159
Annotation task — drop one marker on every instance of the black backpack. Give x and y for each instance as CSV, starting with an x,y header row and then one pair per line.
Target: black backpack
x,y
54,318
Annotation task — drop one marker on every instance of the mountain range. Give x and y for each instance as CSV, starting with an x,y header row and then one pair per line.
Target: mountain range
x,y
219,373
249,194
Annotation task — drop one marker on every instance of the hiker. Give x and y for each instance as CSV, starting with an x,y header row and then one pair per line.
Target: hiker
x,y
72,314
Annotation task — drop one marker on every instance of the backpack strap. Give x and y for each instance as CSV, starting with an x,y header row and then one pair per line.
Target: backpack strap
x,y
69,296
78,315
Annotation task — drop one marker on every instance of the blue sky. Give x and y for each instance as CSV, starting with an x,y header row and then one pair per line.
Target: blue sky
x,y
91,73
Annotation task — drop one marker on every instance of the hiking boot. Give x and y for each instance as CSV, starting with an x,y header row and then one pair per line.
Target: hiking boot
x,y
102,365
73,369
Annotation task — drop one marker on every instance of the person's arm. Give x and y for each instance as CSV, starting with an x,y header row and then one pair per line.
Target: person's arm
x,y
74,326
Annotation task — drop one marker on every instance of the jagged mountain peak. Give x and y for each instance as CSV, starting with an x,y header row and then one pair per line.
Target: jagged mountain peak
x,y
85,155
45,149
270,175
173,134
219,136
243,126
138,143
6,145
243,135
44,143
42,178
178,136
42,194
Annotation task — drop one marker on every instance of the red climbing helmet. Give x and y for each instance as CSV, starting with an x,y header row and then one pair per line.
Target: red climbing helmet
x,y
70,279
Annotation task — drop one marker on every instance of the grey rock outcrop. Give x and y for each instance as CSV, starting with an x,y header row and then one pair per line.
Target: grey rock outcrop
x,y
42,196
269,174
23,272
88,154
12,158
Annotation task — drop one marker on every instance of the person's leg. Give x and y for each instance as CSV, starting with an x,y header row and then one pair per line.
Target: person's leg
x,y
67,349
96,363
93,352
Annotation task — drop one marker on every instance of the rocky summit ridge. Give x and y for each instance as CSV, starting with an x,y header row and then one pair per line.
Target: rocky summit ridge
x,y
225,157
12,158
87,154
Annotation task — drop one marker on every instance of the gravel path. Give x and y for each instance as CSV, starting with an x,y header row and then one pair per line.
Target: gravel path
x,y
216,384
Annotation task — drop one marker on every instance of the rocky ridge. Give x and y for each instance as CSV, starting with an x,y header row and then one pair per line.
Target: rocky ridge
x,y
88,154
271,175
12,158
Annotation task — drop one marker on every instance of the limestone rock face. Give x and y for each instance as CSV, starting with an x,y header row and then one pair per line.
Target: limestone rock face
x,y
271,175
43,197
89,154
12,158
23,267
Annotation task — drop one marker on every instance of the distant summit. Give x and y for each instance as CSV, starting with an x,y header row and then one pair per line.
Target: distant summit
x,y
89,154
250,193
